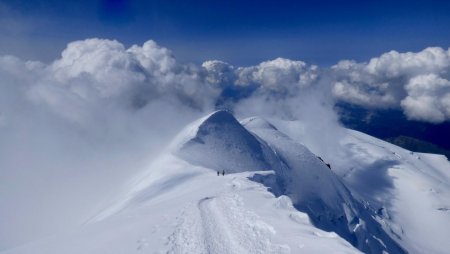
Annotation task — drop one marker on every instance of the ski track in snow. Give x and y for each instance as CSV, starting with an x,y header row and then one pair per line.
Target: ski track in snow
x,y
221,224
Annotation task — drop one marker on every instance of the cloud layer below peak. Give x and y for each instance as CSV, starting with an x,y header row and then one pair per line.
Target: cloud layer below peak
x,y
95,73
415,82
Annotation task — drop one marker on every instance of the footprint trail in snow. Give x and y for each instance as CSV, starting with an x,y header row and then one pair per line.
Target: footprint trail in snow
x,y
221,224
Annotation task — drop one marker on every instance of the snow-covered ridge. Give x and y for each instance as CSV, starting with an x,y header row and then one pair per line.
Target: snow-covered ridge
x,y
290,202
318,191
410,192
222,143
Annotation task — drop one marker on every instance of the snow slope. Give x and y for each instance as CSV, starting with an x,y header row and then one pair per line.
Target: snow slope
x,y
276,197
413,193
318,191
219,141
409,191
200,213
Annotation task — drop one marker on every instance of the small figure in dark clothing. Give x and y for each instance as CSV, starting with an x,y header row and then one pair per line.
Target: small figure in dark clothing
x,y
218,172
223,172
328,164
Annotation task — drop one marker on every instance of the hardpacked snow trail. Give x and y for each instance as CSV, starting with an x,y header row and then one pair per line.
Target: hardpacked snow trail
x,y
221,224
217,240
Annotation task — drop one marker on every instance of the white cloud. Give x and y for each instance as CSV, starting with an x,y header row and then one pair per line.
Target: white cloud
x,y
279,75
394,64
355,84
220,73
392,81
94,74
428,98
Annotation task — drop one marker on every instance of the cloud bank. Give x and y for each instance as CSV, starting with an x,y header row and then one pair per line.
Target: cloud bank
x,y
73,131
417,83
93,74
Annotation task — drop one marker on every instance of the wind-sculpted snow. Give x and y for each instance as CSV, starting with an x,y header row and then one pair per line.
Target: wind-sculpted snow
x,y
220,142
316,190
409,192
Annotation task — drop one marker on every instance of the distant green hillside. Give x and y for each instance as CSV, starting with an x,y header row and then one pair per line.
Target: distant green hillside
x,y
417,145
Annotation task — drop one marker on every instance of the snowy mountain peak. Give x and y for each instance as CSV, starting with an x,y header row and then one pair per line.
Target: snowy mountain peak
x,y
219,116
220,142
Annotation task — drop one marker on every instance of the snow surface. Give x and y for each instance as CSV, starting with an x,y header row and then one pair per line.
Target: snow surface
x,y
409,191
200,212
276,197
318,191
412,189
220,142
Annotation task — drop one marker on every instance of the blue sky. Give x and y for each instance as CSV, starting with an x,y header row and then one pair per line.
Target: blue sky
x,y
239,32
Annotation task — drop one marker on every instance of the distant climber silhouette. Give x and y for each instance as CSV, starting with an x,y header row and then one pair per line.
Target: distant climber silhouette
x,y
328,164
223,172
218,172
